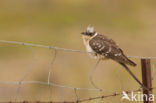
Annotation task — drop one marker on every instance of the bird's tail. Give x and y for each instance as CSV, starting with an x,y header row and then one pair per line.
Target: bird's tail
x,y
131,62
131,73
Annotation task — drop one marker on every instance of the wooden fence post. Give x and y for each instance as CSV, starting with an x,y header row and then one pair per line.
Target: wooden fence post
x,y
146,78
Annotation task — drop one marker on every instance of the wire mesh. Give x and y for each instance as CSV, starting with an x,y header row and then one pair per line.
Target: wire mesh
x,y
51,84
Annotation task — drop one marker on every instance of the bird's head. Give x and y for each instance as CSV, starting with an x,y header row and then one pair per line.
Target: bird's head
x,y
89,31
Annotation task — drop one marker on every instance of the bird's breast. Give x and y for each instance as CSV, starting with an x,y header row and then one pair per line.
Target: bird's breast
x,y
90,51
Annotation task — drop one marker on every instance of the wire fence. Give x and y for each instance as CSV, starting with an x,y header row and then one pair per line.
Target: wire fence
x,y
50,84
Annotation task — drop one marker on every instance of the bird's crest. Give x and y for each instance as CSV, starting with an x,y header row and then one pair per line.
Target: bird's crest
x,y
90,29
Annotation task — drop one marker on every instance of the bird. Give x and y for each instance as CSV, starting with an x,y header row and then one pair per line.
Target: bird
x,y
102,47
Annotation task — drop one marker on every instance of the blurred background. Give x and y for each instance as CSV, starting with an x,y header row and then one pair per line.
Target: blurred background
x,y
131,23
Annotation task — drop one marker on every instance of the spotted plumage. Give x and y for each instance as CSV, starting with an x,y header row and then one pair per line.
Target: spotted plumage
x,y
106,47
102,47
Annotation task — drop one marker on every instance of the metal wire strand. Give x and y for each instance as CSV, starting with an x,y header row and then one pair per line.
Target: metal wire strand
x,y
62,49
92,74
49,74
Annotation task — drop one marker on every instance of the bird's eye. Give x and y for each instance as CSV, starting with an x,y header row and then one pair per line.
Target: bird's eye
x,y
90,34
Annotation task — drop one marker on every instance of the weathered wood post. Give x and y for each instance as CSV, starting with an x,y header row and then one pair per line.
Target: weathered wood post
x,y
146,79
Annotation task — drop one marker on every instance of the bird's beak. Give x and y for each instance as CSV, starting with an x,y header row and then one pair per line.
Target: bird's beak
x,y
83,33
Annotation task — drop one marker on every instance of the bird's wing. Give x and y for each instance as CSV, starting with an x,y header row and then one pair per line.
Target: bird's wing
x,y
108,48
99,45
103,45
109,40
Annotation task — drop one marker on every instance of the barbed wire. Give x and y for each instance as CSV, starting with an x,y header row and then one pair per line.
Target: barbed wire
x,y
90,99
52,84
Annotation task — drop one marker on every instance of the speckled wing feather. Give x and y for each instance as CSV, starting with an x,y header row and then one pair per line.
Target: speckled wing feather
x,y
107,39
104,46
